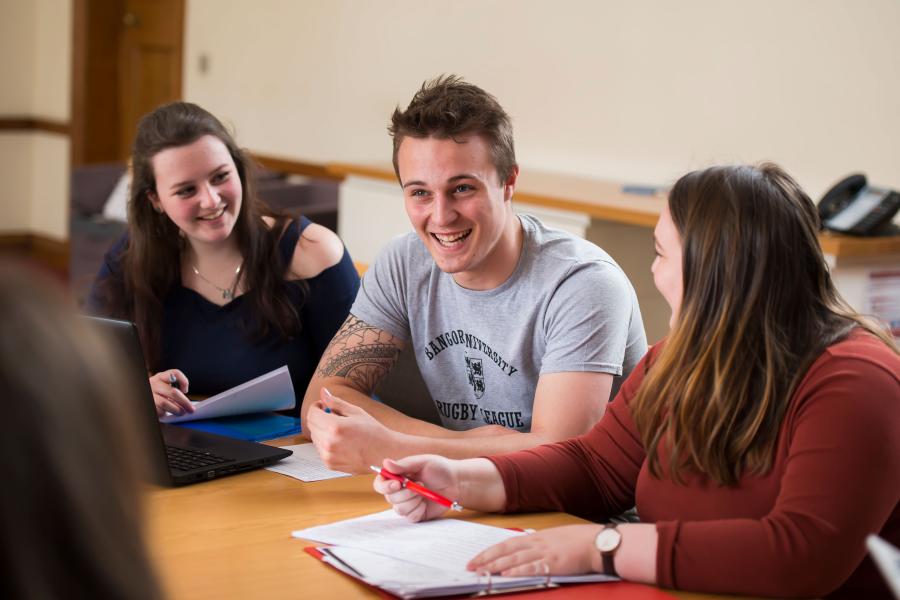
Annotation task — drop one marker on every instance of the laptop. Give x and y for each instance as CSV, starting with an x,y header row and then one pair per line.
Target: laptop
x,y
179,455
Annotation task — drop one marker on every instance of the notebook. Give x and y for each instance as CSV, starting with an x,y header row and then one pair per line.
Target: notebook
x,y
257,427
180,455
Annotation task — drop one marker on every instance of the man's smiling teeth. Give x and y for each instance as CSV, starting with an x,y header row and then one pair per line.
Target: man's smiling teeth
x,y
213,216
451,238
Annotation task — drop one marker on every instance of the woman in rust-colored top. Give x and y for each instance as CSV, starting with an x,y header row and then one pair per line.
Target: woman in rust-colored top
x,y
760,441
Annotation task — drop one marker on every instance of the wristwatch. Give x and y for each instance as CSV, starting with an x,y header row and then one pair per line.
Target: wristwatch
x,y
607,542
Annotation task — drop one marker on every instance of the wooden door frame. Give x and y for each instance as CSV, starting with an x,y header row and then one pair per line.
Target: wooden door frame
x,y
81,87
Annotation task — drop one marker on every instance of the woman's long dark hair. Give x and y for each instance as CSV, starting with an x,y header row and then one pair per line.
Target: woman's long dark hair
x,y
152,261
759,306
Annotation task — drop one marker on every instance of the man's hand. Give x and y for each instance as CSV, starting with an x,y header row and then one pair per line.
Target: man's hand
x,y
347,437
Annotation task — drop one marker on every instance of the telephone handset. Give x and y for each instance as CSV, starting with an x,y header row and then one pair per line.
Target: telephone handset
x,y
854,207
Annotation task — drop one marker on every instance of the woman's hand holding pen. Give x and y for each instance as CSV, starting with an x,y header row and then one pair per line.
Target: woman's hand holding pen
x,y
474,483
435,472
169,389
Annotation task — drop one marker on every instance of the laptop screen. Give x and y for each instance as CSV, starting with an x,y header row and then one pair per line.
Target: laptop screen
x,y
123,336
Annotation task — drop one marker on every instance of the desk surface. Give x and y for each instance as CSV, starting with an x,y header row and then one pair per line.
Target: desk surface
x,y
230,538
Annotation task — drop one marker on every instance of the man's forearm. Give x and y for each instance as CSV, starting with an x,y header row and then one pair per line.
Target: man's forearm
x,y
469,447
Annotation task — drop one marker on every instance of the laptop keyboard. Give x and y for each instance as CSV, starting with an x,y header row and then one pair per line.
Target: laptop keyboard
x,y
185,459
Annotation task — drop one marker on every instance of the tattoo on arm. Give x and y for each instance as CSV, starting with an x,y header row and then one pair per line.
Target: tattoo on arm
x,y
361,353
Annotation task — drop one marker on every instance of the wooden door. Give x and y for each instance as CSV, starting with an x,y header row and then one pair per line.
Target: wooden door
x,y
127,58
150,61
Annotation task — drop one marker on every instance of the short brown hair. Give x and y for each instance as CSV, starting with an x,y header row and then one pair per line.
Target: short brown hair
x,y
448,107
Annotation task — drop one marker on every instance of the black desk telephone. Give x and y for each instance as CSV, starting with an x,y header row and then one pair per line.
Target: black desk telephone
x,y
854,207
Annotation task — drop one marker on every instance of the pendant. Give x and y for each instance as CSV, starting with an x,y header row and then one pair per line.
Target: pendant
x,y
227,295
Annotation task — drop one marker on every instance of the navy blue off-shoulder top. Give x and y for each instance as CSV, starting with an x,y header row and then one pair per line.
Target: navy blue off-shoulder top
x,y
210,343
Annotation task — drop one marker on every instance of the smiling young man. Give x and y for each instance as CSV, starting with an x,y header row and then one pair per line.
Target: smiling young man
x,y
521,332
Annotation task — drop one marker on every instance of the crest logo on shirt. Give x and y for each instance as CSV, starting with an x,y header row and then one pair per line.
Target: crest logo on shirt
x,y
475,372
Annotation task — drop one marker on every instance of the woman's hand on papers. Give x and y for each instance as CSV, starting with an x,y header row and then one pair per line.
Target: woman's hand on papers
x,y
169,389
437,473
567,550
347,437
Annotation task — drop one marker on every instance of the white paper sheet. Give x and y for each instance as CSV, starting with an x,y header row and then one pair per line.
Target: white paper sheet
x,y
446,544
304,464
269,392
887,557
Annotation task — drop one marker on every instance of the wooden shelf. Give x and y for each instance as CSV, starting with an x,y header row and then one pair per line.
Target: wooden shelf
x,y
845,246
602,200
606,201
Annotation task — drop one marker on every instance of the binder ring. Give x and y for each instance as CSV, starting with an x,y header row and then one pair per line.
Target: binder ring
x,y
488,589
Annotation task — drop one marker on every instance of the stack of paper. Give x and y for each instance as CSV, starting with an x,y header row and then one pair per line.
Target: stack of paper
x,y
418,560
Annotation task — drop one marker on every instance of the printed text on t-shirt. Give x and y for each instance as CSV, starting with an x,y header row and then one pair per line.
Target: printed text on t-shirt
x,y
464,411
458,336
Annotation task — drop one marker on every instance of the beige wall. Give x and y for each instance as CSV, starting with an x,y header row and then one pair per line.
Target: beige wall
x,y
15,172
639,91
36,42
17,24
52,59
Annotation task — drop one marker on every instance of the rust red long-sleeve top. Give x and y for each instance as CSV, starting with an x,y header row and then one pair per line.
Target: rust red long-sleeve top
x,y
796,531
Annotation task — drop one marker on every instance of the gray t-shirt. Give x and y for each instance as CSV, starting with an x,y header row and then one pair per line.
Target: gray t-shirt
x,y
566,307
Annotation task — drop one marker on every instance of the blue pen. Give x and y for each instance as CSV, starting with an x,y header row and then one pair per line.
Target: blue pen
x,y
327,408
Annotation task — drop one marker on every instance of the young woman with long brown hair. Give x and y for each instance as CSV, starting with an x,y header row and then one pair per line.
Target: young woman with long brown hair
x,y
760,440
222,290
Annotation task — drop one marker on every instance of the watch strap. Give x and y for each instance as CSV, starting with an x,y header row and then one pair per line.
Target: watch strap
x,y
609,565
608,557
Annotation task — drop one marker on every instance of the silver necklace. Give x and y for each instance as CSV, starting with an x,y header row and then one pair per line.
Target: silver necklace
x,y
227,293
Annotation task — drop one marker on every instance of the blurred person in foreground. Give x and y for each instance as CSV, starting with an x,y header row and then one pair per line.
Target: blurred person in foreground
x,y
71,522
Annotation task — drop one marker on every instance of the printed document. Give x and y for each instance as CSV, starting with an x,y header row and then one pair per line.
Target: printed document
x,y
418,560
270,392
442,543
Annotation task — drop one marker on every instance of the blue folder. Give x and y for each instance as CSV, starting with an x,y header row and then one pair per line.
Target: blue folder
x,y
256,427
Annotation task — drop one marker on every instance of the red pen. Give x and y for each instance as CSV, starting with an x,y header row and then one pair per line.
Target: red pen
x,y
421,490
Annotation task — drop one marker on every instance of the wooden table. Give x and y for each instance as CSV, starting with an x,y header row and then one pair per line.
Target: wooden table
x,y
230,538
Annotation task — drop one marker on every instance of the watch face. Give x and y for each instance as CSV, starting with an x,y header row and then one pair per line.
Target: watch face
x,y
608,540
